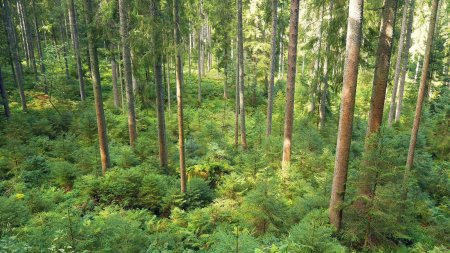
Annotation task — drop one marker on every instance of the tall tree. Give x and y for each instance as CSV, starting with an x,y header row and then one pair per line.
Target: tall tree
x,y
241,74
383,57
383,60
354,34
179,80
76,47
157,68
114,70
236,111
123,13
273,52
98,98
398,64
39,46
421,95
290,85
14,51
23,15
4,96
401,87
326,66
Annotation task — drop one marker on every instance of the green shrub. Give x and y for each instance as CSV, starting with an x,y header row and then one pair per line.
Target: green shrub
x,y
13,212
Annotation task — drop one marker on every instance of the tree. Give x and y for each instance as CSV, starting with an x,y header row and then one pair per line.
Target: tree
x,y
98,98
401,87
123,13
14,51
398,65
324,90
241,74
382,64
114,70
290,85
76,47
421,95
4,96
39,46
383,57
354,34
273,52
157,68
179,78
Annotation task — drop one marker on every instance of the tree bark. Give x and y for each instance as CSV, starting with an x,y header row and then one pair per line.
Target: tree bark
x,y
98,98
398,65
157,68
420,97
76,47
179,81
324,91
401,88
382,67
290,85
317,67
123,13
241,76
236,113
14,53
368,181
39,47
114,70
273,52
199,74
4,97
28,37
353,45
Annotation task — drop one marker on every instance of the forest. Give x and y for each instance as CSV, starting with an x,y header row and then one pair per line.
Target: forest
x,y
259,126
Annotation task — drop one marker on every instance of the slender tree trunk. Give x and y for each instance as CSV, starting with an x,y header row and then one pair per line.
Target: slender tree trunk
x,y
317,65
76,47
354,34
199,87
255,82
101,121
324,91
14,53
290,86
273,52
241,76
420,97
190,51
114,78
157,68
179,78
62,31
4,97
382,67
168,90
398,65
416,75
39,47
123,13
28,38
366,187
23,34
122,84
236,113
401,88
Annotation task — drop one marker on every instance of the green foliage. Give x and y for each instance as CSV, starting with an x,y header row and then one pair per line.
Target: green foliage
x,y
313,234
13,212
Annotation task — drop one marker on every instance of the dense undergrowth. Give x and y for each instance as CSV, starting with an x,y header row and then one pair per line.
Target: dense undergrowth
x,y
54,199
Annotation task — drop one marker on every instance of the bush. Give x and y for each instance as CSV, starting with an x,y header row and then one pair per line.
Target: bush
x,y
13,212
313,234
35,171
